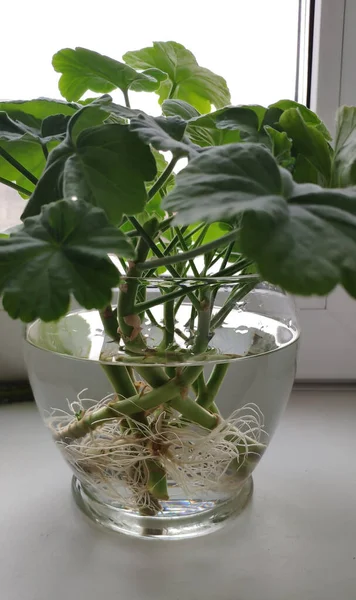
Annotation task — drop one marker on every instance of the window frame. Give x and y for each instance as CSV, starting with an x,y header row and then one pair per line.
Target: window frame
x,y
328,341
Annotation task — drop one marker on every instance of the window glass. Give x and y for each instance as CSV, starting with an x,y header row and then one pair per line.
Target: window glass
x,y
252,44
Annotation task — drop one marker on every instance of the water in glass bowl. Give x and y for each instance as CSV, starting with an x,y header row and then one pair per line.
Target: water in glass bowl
x,y
206,479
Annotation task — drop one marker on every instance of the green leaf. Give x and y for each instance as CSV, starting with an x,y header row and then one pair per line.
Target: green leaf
x,y
88,116
84,70
240,118
63,250
145,85
203,131
102,177
224,126
25,128
105,165
301,236
308,141
186,79
281,146
271,118
28,152
215,231
163,134
262,113
308,115
344,164
121,111
305,172
222,182
38,109
54,126
11,130
173,108
42,118
313,248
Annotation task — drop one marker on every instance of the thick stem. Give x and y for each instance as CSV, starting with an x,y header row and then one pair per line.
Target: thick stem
x,y
127,295
173,391
118,376
120,379
157,480
207,396
168,332
203,328
188,408
126,98
110,323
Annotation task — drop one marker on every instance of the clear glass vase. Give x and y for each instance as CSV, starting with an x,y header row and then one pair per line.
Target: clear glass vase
x,y
162,427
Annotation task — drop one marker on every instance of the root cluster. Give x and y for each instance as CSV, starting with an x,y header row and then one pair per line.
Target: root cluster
x,y
113,458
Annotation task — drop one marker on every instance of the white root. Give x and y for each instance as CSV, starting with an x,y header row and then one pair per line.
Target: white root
x,y
113,457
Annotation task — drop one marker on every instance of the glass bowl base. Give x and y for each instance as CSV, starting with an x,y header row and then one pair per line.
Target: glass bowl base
x,y
191,519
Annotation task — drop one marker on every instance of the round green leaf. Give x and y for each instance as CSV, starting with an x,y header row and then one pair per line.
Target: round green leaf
x,y
222,182
163,134
105,165
187,81
84,70
62,251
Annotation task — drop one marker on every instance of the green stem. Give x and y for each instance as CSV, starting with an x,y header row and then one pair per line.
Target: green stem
x,y
128,290
126,98
236,295
168,392
173,243
184,291
110,323
154,249
44,150
120,379
194,231
185,249
157,479
153,319
229,249
188,408
18,166
207,396
235,268
201,388
173,89
168,335
170,260
14,186
119,376
203,328
163,178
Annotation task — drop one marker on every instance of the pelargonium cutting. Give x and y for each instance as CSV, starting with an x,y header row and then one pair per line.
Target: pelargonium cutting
x,y
201,194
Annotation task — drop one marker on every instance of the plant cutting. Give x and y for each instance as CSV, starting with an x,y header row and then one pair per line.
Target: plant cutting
x,y
150,265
